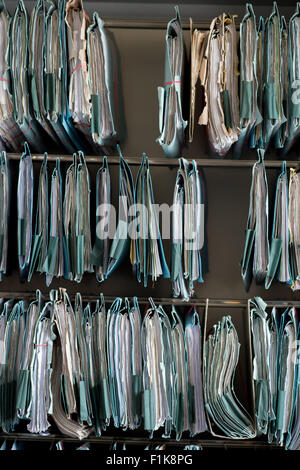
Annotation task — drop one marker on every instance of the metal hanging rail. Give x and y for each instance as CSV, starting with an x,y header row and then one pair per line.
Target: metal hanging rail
x,y
163,161
148,24
238,303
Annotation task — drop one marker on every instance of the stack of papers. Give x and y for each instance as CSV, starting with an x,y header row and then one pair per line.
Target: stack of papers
x,y
40,237
61,243
193,338
294,228
187,230
224,410
77,218
219,77
36,68
102,76
279,264
149,259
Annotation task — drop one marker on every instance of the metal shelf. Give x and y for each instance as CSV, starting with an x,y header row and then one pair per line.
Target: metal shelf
x,y
152,24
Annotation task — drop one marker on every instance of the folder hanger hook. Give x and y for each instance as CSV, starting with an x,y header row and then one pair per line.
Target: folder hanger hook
x,y
151,301
119,151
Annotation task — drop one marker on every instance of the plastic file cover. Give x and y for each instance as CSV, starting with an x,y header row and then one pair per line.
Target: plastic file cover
x,y
180,412
76,215
273,114
77,23
66,349
41,372
55,262
12,331
279,264
255,260
273,325
100,252
37,67
102,82
98,368
286,373
150,259
23,401
171,122
250,116
4,211
83,229
219,77
293,436
220,361
158,372
256,136
10,132
283,133
69,217
193,340
292,80
187,228
82,317
121,242
41,234
25,207
56,78
18,69
125,363
294,228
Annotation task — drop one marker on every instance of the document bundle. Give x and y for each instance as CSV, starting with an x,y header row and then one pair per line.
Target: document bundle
x,y
148,256
187,229
11,135
217,72
278,258
171,122
275,339
85,367
226,415
58,79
